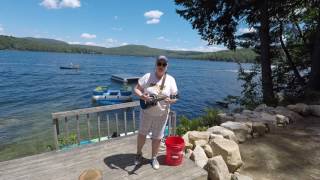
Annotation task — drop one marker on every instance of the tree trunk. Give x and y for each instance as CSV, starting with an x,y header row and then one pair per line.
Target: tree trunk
x,y
314,83
267,85
289,58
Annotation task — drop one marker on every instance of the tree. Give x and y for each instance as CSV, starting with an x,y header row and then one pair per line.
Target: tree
x,y
217,21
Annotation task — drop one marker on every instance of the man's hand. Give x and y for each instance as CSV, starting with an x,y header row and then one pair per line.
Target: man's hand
x,y
145,97
170,101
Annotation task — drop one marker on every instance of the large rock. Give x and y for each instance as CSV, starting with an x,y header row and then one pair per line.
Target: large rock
x,y
314,110
264,108
259,128
208,150
223,117
237,176
241,130
199,156
240,117
229,150
200,142
217,169
293,116
198,135
226,133
300,108
187,143
282,120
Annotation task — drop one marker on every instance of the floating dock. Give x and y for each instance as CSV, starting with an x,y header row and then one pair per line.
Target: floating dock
x,y
125,78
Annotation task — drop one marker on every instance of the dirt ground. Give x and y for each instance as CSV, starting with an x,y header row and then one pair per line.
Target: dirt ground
x,y
291,153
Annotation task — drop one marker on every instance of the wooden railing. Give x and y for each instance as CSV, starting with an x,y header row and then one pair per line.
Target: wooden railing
x,y
99,116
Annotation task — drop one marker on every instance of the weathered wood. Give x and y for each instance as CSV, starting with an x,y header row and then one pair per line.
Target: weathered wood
x,y
89,126
94,109
99,127
78,129
114,158
55,133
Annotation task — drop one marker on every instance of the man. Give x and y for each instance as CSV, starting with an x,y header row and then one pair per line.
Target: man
x,y
155,117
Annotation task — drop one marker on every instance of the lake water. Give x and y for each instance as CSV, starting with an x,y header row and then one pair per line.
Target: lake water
x,y
32,87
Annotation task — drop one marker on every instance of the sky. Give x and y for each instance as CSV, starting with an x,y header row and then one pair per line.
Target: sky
x,y
107,23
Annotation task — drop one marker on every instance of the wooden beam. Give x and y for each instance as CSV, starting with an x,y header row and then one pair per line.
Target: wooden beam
x,y
94,109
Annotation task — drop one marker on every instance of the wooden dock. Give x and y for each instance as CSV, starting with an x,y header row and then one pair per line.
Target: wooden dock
x,y
114,158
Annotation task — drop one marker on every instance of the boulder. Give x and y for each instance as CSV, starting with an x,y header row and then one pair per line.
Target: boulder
x,y
199,156
187,143
200,142
213,136
237,176
240,129
300,108
198,135
208,150
229,150
293,116
226,133
314,110
264,108
259,128
282,120
217,169
224,117
240,117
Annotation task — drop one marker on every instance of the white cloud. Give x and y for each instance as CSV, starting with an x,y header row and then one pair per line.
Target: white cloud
x,y
162,38
88,36
123,44
91,44
111,41
57,4
74,42
246,30
153,21
153,16
199,48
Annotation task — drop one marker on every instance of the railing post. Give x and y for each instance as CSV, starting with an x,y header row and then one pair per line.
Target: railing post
x,y
108,124
55,133
134,121
99,130
78,129
117,124
125,121
66,126
174,119
89,126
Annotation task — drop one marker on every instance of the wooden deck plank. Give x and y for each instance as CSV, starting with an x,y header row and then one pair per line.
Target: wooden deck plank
x,y
114,158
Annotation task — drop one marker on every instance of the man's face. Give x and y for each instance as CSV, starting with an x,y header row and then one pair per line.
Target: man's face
x,y
161,66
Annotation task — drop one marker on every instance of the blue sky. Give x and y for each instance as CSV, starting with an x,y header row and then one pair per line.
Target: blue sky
x,y
107,23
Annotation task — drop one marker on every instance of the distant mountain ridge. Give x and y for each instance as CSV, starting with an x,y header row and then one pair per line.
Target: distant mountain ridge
x,y
52,45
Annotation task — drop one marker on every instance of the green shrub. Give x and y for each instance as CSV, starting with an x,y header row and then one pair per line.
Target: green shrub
x,y
202,123
71,139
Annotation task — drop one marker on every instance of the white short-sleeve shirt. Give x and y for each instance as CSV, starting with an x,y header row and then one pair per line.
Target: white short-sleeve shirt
x,y
151,85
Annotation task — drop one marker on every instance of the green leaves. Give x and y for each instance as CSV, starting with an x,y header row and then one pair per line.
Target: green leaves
x,y
202,123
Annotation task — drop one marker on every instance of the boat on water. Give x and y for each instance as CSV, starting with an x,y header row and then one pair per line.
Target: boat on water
x,y
71,66
102,95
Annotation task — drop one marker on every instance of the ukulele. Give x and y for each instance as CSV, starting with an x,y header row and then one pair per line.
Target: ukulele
x,y
154,99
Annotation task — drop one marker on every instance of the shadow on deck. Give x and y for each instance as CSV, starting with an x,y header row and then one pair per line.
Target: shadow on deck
x,y
114,158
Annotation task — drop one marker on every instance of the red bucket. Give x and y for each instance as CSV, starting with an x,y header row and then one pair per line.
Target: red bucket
x,y
175,146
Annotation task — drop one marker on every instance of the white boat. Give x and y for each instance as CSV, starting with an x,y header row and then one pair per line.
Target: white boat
x,y
104,96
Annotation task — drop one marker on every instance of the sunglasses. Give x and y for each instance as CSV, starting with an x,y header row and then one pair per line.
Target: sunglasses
x,y
161,64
